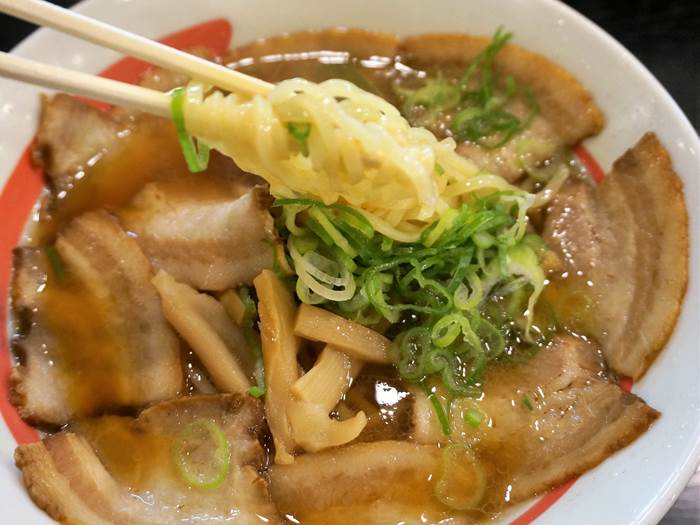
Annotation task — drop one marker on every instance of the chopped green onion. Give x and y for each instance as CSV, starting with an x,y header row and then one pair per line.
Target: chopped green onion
x,y
332,232
300,133
473,417
531,152
484,60
321,232
447,329
536,243
484,240
522,261
349,218
433,233
481,126
323,275
386,245
202,454
306,243
197,157
461,483
435,96
252,338
345,214
256,391
466,300
436,92
528,403
440,283
475,106
306,295
439,169
439,410
56,263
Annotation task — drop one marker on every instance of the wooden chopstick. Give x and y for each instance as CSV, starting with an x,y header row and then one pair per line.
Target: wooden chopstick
x,y
46,14
98,88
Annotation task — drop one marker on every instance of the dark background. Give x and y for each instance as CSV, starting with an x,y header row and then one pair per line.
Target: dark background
x,y
663,34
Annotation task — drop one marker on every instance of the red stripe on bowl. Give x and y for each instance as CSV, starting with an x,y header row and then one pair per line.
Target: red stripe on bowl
x,y
16,203
589,163
541,505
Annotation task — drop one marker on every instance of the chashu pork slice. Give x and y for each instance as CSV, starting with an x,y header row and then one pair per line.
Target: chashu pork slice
x,y
374,483
97,166
120,470
91,335
629,238
208,241
566,113
71,136
543,421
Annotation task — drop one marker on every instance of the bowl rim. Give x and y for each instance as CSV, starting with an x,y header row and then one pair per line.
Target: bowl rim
x,y
667,494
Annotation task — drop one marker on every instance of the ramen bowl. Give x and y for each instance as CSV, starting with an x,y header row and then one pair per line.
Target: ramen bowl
x,y
636,485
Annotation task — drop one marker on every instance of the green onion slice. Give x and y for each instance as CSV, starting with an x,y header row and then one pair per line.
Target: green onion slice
x,y
300,133
56,263
256,391
197,158
462,481
476,110
440,412
202,454
252,337
434,292
473,417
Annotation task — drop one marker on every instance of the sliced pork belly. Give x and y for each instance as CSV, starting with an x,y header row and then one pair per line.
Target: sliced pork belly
x,y
567,113
93,335
101,159
544,421
71,135
629,238
35,391
208,242
118,470
371,483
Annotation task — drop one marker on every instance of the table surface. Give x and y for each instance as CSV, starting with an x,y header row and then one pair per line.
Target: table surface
x,y
663,35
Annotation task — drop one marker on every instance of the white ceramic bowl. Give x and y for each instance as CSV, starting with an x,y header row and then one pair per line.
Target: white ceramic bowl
x,y
636,485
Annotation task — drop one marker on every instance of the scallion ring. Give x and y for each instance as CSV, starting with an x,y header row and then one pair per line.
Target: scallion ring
x,y
196,156
202,454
